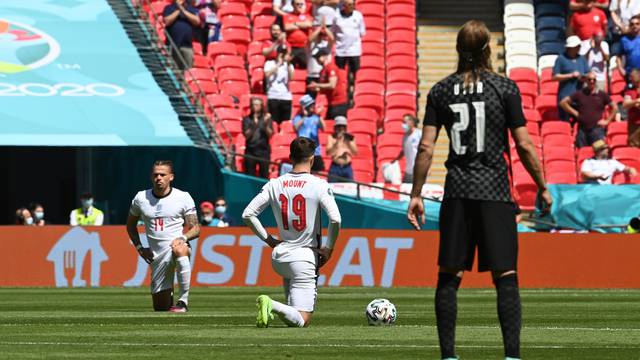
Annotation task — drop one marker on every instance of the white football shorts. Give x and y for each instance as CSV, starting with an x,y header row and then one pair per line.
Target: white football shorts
x,y
163,269
299,281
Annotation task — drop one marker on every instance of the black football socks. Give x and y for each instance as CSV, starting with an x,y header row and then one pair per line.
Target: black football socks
x,y
446,312
509,313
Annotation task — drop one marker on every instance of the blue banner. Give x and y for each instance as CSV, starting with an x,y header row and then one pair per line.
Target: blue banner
x,y
70,76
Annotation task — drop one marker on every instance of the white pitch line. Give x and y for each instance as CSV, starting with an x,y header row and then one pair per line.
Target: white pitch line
x,y
245,345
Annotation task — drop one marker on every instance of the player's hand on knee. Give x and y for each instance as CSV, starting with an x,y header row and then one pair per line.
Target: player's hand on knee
x,y
324,254
146,254
415,213
177,243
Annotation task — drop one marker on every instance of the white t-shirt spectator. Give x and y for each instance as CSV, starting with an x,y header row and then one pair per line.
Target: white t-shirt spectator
x,y
410,149
595,60
278,82
327,12
606,167
285,5
313,67
348,31
625,9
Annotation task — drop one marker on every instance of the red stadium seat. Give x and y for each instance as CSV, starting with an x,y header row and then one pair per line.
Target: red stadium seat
x,y
374,22
560,171
256,62
618,83
228,61
260,34
629,157
298,87
260,10
532,115
229,114
401,61
208,87
232,74
362,114
555,127
549,88
220,101
557,139
218,48
546,74
254,48
198,74
231,8
617,127
387,154
523,75
401,22
618,140
401,101
400,9
390,140
370,75
362,127
547,106
533,128
240,37
257,81
402,36
393,127
197,48
368,88
583,154
557,151
524,186
158,7
282,140
370,10
235,88
300,75
200,62
375,102
400,48
402,75
374,35
371,62
373,49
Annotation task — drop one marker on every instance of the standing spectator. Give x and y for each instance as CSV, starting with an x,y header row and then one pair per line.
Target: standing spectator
x,y
86,214
320,38
600,169
410,142
308,123
38,214
348,28
298,25
257,129
278,39
568,71
282,8
629,59
326,11
597,54
332,82
588,21
588,109
23,217
632,104
578,5
211,25
341,146
621,13
180,18
216,215
277,74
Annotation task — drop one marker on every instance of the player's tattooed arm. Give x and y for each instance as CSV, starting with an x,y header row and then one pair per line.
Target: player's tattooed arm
x,y
193,227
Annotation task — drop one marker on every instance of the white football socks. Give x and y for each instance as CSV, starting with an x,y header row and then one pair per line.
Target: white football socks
x,y
184,278
287,314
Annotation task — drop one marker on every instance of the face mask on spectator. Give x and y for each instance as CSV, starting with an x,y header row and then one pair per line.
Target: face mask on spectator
x,y
405,127
28,221
87,203
39,215
220,210
207,218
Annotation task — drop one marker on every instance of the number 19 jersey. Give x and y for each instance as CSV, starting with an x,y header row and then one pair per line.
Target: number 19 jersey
x,y
477,119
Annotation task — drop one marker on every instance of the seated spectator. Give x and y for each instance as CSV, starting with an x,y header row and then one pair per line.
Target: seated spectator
x,y
38,214
588,109
210,23
588,21
568,71
308,123
298,25
600,169
257,130
348,28
180,18
215,215
632,104
23,217
332,82
410,142
325,10
597,54
320,38
86,214
621,13
341,146
629,58
278,39
277,74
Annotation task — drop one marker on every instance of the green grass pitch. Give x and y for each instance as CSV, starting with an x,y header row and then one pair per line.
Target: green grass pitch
x,y
119,324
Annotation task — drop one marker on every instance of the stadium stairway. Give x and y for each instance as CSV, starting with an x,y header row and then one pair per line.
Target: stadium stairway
x,y
438,24
163,71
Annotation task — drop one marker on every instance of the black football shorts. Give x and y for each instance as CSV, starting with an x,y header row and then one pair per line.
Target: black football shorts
x,y
488,225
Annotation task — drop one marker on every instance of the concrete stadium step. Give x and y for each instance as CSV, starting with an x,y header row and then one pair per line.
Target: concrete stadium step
x,y
438,25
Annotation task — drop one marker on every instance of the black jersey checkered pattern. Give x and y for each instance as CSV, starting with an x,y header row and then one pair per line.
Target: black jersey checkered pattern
x,y
474,174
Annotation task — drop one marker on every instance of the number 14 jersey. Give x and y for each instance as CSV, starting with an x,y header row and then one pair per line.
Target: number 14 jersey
x,y
477,120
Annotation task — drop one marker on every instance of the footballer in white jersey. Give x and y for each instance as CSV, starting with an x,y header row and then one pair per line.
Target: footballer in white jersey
x,y
296,199
165,210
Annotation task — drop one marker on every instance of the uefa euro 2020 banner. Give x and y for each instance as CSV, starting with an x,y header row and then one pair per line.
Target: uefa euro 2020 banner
x,y
70,76
64,256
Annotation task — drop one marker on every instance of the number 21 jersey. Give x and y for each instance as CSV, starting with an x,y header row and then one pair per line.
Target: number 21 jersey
x,y
477,120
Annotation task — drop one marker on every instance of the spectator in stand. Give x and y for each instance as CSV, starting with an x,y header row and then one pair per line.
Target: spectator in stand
x,y
578,5
326,10
278,38
341,146
210,29
277,74
588,21
23,217
597,55
320,38
298,25
629,59
588,109
600,169
632,104
37,211
216,215
180,18
282,8
621,13
257,130
348,28
308,123
410,142
86,214
568,70
333,83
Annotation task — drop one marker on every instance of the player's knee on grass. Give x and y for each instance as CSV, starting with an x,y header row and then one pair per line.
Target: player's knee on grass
x,y
306,316
162,300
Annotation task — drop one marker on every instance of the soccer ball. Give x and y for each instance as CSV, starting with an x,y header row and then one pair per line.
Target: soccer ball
x,y
381,312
